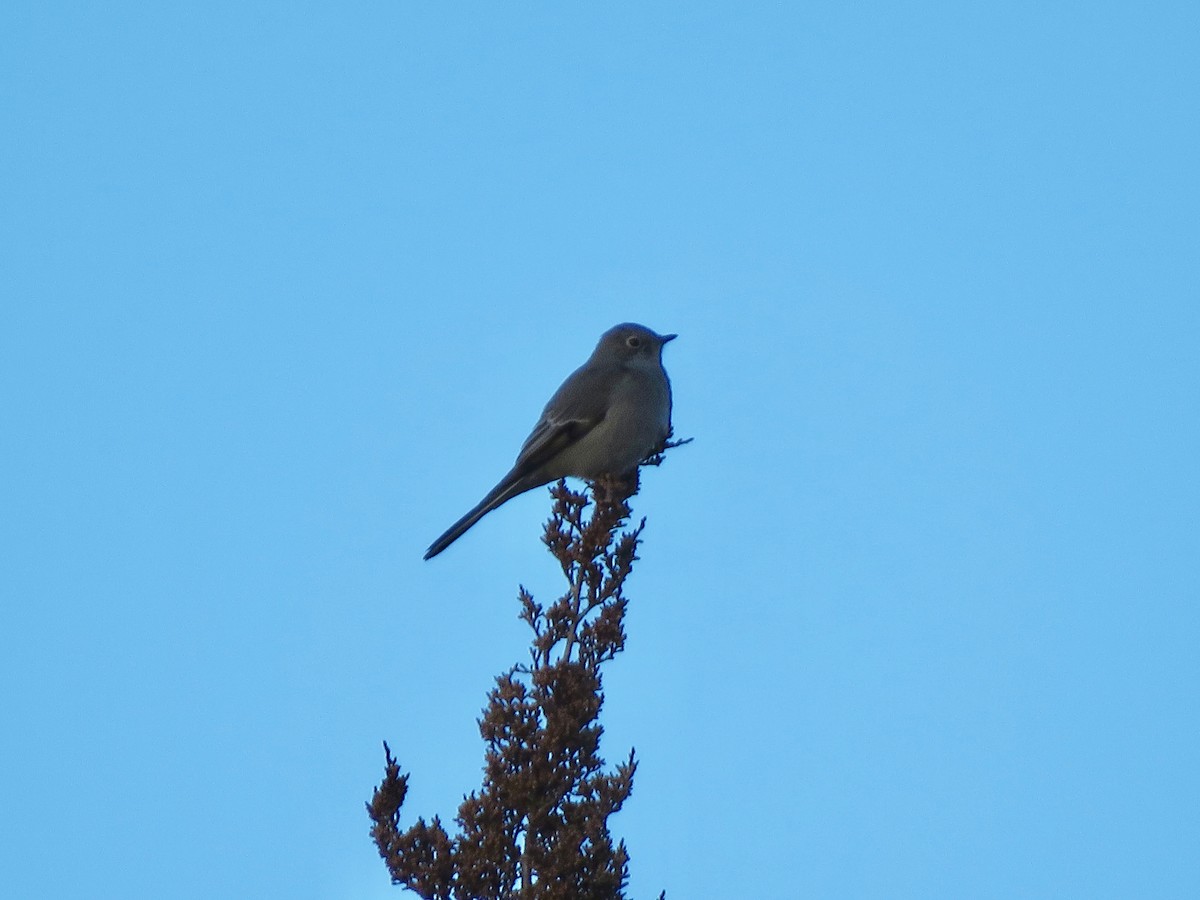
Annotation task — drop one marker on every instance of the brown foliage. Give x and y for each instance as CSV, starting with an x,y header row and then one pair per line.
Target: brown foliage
x,y
538,827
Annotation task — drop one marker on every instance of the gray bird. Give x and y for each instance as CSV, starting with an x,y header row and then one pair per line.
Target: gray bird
x,y
608,416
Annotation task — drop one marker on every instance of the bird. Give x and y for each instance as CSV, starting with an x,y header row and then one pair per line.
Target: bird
x,y
610,414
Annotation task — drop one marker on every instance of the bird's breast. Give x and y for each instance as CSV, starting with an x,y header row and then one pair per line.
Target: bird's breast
x,y
636,421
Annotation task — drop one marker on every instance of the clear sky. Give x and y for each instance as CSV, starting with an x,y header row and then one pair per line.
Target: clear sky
x,y
285,285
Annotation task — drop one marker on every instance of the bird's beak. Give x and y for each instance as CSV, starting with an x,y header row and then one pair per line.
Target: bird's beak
x,y
666,338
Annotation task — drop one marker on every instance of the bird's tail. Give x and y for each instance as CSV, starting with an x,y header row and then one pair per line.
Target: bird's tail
x,y
501,493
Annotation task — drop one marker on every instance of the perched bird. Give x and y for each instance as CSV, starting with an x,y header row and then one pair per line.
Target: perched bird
x,y
608,416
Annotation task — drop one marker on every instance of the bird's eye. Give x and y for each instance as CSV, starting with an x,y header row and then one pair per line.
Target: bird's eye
x,y
634,341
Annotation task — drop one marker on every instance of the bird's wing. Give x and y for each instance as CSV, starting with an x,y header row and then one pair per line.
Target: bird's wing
x,y
575,409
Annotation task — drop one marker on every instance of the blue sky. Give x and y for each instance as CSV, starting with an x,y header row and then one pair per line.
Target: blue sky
x,y
286,285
